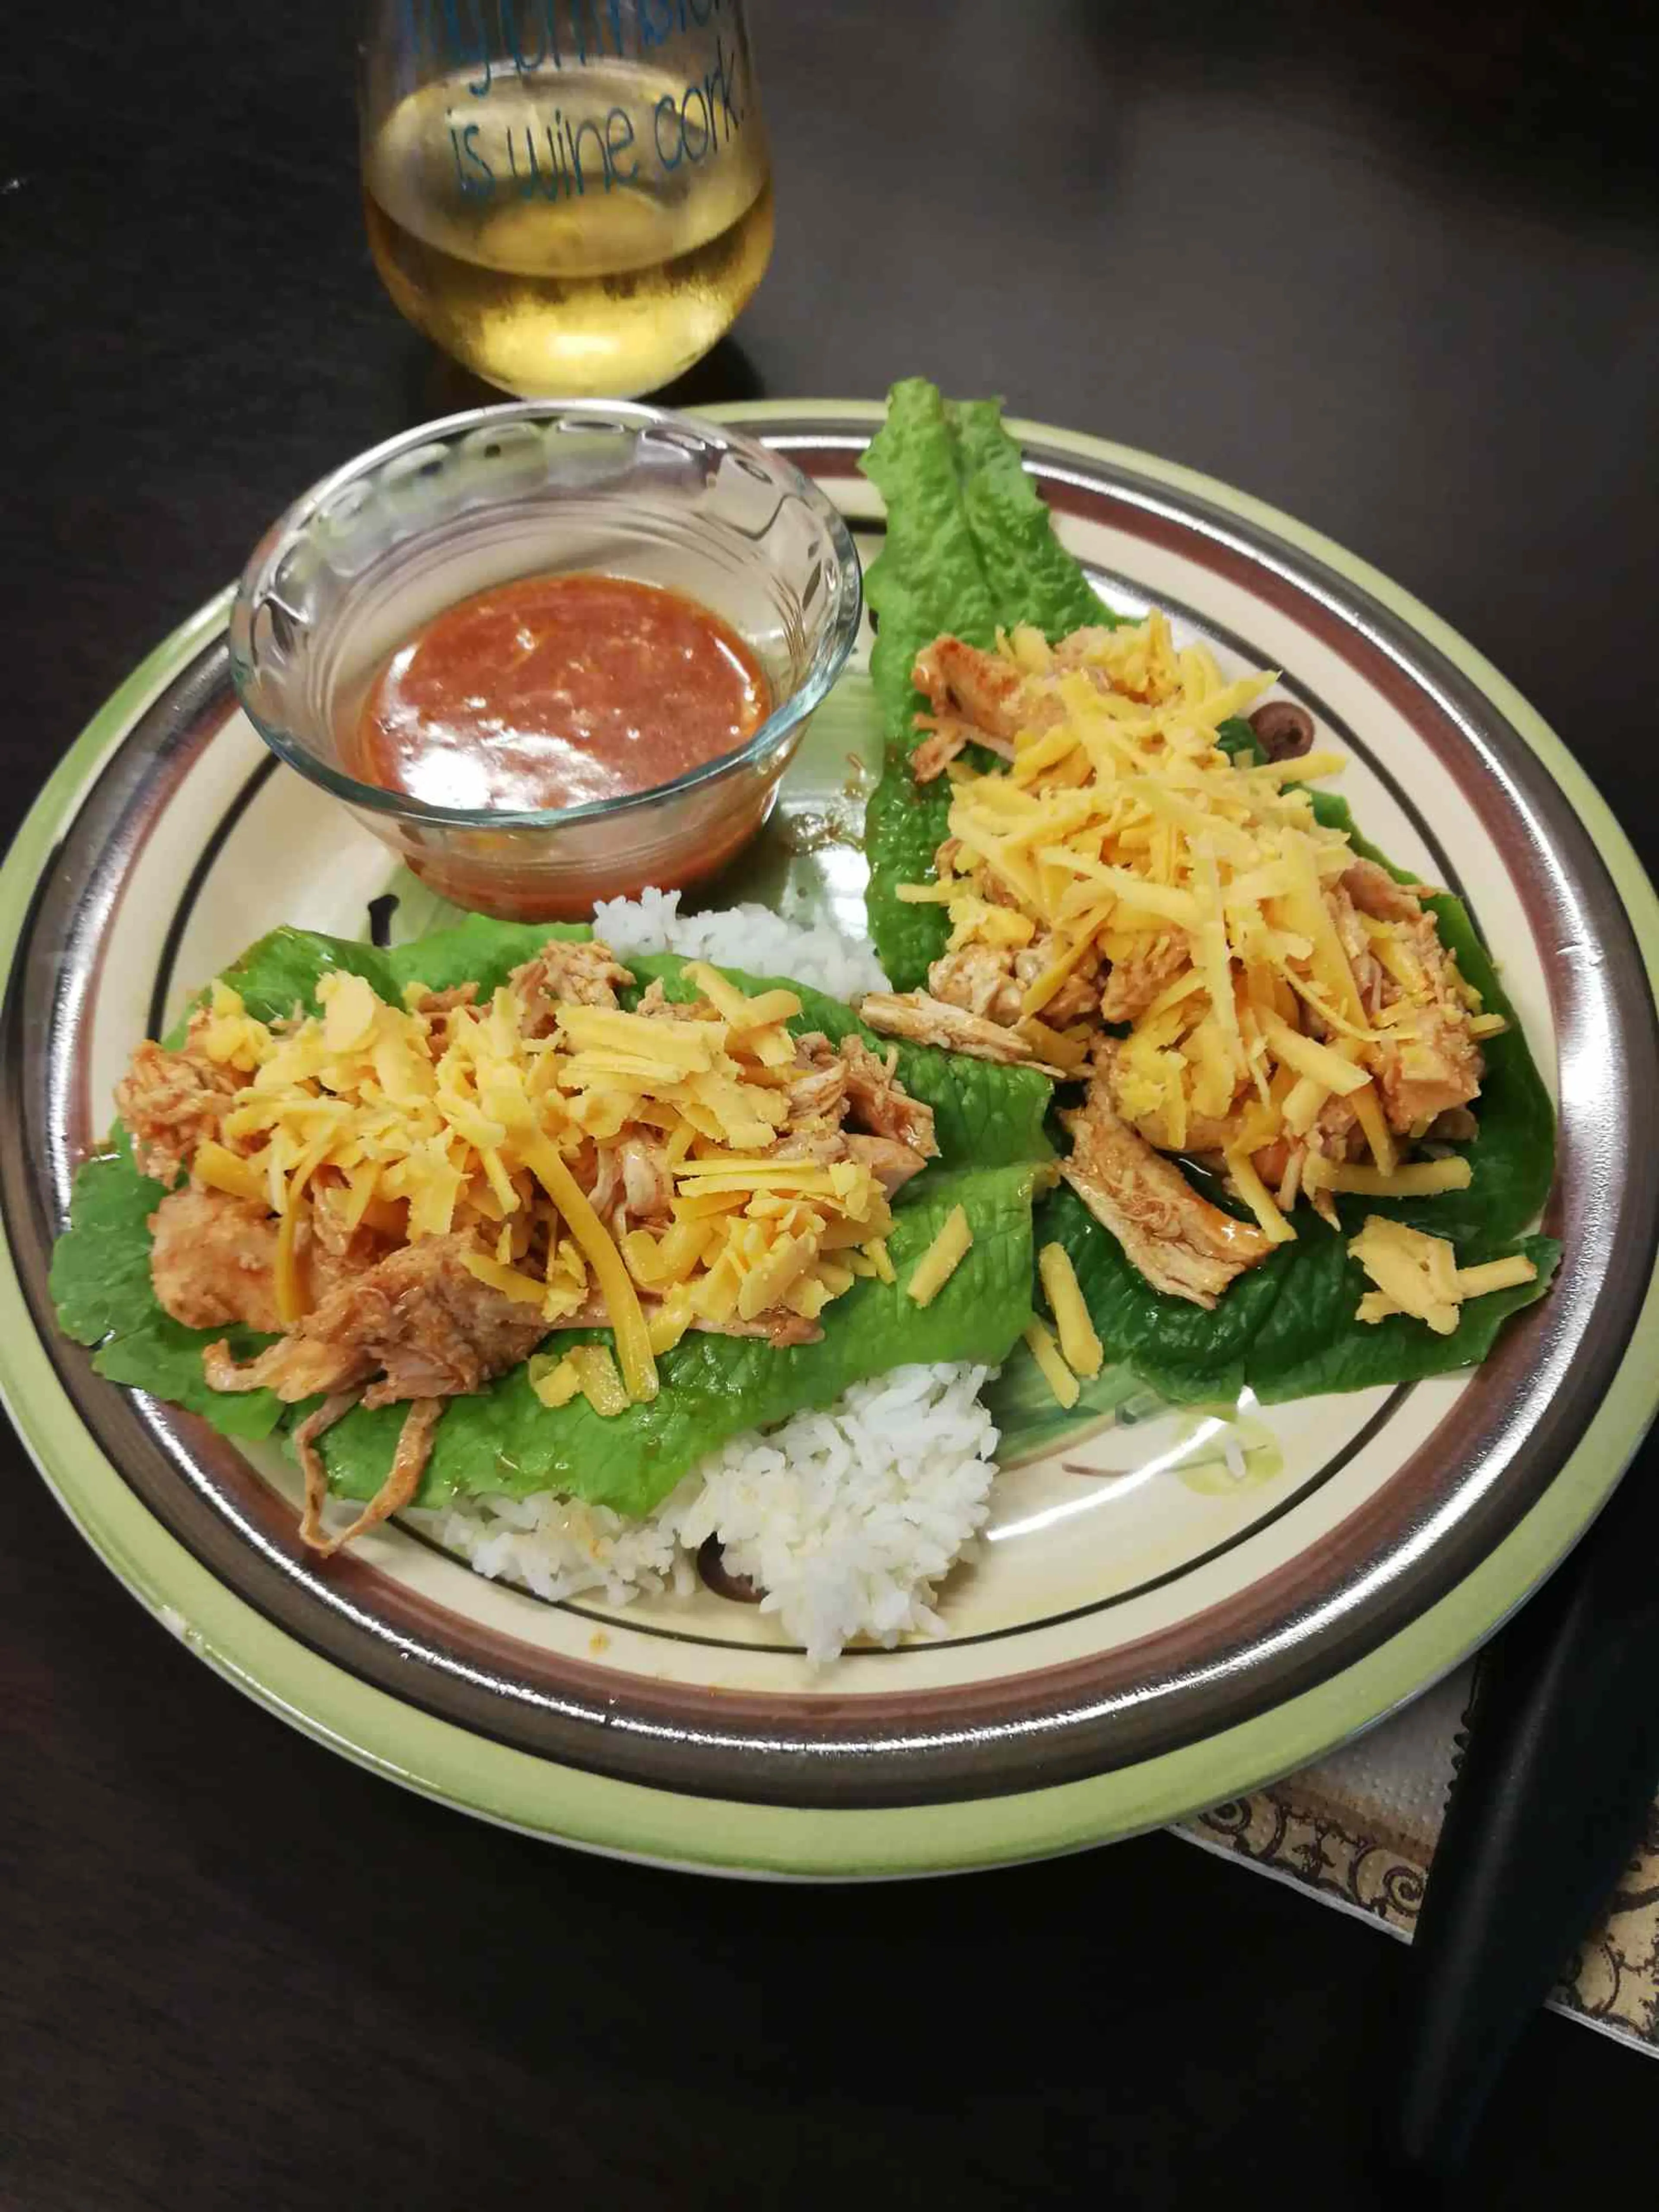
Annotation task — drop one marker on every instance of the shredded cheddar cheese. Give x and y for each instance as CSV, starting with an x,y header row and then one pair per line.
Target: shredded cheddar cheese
x,y
942,1258
554,1382
597,1378
1039,1343
421,1121
1079,1347
1418,1274
1260,1199
1417,1179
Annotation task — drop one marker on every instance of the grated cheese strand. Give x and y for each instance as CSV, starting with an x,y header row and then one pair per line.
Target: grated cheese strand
x,y
1057,1375
942,1258
622,1301
1418,1274
1079,1347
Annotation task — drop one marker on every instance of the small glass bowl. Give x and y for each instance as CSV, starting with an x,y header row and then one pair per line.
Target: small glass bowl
x,y
375,550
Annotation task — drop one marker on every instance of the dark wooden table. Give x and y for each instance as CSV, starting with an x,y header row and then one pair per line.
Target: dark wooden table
x,y
1396,270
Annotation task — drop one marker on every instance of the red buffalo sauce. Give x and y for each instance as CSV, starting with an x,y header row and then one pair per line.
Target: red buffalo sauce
x,y
552,691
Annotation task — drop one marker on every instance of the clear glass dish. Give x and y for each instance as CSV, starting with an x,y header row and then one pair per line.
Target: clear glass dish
x,y
374,551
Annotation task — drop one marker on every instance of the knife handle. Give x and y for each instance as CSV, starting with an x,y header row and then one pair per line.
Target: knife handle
x,y
1561,1765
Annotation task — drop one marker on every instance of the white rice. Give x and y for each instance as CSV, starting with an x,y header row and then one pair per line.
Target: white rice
x,y
749,937
848,1518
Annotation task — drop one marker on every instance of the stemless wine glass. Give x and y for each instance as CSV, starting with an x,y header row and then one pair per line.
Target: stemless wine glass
x,y
572,197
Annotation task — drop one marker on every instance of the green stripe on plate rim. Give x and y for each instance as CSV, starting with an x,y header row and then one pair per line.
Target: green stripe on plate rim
x,y
515,1789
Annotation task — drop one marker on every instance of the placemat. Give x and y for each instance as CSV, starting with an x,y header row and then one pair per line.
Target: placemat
x,y
1358,1831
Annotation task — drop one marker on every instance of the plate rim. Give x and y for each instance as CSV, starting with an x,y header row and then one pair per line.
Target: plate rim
x,y
534,1795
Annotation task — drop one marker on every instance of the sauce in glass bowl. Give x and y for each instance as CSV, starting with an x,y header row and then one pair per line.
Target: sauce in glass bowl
x,y
555,691
547,518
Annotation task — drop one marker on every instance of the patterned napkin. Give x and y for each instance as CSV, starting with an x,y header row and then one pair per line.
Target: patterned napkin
x,y
1358,1831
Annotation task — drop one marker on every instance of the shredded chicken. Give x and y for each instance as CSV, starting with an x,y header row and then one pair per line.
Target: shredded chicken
x,y
647,1187
821,1142
879,1102
322,1418
1375,892
817,1088
959,679
404,1479
330,1247
992,981
980,979
1431,1064
213,1259
974,698
946,739
922,1019
980,698
654,1001
1369,976
419,1321
1335,1135
444,1002
173,1102
629,1183
891,1161
846,1103
1438,1069
1132,985
582,973
1180,1242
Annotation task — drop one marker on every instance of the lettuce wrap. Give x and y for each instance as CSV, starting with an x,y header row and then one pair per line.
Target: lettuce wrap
x,y
993,1151
969,549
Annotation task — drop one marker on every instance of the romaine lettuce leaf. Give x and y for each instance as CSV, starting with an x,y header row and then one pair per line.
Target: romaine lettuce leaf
x,y
1033,578
969,548
281,970
989,1124
927,578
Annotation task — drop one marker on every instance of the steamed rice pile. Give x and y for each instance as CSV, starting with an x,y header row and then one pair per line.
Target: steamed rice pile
x,y
748,937
846,1518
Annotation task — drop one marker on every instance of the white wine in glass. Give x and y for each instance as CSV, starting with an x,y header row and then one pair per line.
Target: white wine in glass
x,y
572,197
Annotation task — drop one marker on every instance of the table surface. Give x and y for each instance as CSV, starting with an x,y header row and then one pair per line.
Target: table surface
x,y
1394,271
